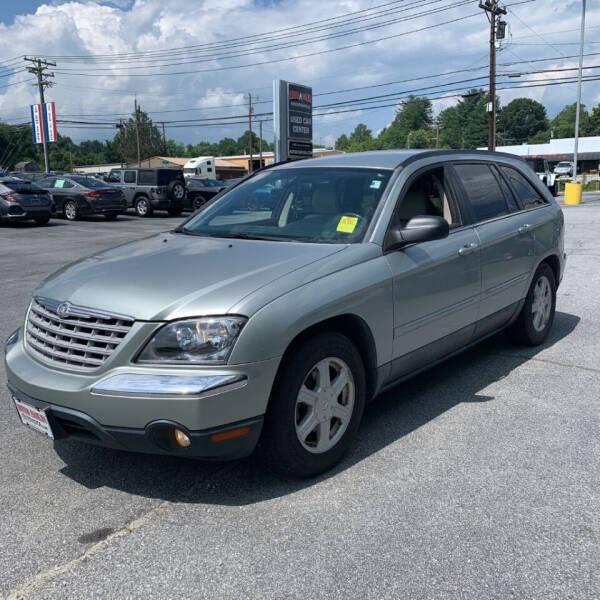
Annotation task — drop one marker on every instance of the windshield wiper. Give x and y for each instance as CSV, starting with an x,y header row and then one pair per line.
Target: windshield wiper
x,y
247,236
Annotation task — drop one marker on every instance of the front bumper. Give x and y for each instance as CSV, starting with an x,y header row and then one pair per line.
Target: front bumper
x,y
124,412
216,443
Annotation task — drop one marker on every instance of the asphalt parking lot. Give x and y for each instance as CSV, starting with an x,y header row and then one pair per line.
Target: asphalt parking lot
x,y
478,479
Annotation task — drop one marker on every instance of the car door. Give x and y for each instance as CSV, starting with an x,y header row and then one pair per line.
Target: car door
x,y
61,190
436,284
129,183
506,243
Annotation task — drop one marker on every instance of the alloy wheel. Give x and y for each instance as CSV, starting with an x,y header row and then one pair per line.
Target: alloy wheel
x,y
541,306
324,405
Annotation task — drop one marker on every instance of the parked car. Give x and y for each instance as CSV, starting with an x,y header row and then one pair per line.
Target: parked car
x,y
78,195
22,200
563,168
200,190
238,327
148,190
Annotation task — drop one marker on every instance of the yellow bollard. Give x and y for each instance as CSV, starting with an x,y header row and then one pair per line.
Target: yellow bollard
x,y
573,193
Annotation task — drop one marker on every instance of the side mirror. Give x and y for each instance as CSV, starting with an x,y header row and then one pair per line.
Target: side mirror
x,y
422,228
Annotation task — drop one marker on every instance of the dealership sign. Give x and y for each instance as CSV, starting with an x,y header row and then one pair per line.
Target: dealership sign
x,y
292,112
43,123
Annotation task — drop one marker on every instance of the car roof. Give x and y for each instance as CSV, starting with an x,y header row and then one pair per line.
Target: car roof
x,y
390,159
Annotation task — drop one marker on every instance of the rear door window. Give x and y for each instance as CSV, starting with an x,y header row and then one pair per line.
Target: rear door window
x,y
528,196
146,178
483,191
129,177
165,176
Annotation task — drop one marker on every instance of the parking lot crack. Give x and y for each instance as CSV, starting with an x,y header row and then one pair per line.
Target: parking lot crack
x,y
38,582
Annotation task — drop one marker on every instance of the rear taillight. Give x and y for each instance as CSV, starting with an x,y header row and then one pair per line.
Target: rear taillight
x,y
9,198
92,194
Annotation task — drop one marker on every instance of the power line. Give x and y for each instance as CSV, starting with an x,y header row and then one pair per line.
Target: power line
x,y
285,59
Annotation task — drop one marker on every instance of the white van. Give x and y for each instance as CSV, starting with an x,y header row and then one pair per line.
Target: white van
x,y
201,166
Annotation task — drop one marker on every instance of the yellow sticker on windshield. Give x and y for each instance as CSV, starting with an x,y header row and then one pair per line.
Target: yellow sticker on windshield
x,y
347,224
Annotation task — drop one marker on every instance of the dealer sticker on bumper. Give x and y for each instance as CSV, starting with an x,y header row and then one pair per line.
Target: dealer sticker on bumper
x,y
34,418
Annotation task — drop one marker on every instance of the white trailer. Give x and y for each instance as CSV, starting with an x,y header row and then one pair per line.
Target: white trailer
x,y
201,166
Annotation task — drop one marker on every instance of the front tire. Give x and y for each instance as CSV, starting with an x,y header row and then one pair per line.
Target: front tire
x,y
315,408
537,315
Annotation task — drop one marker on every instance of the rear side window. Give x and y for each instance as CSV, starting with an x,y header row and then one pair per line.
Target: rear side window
x,y
513,205
146,178
483,191
22,186
165,176
527,195
129,177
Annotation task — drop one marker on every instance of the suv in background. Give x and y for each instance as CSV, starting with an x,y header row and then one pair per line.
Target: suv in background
x,y
563,168
148,190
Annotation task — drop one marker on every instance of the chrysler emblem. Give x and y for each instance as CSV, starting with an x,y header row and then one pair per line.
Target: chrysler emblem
x,y
64,308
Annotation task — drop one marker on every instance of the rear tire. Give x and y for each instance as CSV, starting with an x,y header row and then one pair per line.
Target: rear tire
x,y
537,315
143,208
42,220
315,407
70,210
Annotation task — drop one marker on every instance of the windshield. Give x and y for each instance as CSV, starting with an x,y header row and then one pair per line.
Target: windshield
x,y
331,205
563,164
89,182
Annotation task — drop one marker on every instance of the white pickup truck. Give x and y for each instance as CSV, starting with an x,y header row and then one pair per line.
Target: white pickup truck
x,y
543,171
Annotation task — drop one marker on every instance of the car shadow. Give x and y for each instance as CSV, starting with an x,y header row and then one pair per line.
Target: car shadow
x,y
391,416
54,222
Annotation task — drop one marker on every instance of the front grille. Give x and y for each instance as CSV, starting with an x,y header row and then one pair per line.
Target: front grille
x,y
73,336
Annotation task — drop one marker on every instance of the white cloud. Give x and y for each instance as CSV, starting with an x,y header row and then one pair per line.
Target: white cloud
x,y
123,26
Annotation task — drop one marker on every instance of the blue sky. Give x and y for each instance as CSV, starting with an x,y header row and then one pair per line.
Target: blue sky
x,y
542,34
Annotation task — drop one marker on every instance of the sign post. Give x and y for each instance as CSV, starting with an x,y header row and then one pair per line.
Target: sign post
x,y
43,124
292,115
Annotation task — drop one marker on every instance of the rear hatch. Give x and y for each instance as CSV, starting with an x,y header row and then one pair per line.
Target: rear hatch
x,y
28,195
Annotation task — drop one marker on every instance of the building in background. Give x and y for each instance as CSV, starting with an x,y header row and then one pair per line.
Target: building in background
x,y
559,150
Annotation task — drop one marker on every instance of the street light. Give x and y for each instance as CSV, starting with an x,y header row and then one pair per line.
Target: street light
x,y
581,39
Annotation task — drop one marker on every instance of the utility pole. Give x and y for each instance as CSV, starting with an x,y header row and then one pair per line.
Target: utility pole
x,y
250,169
40,71
137,131
120,128
260,162
164,139
581,40
493,10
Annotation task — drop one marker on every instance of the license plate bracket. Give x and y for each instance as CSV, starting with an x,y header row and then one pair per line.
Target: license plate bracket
x,y
34,418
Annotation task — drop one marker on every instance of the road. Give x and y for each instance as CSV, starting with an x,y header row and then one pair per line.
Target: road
x,y
479,479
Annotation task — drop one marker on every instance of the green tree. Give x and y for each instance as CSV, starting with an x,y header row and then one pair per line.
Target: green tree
x,y
563,124
342,142
414,113
151,142
595,121
465,125
361,134
16,144
520,120
421,138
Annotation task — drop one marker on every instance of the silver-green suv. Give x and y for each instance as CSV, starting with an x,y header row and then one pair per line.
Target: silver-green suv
x,y
275,324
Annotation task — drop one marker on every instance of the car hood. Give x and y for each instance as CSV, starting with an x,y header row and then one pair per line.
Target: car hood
x,y
172,276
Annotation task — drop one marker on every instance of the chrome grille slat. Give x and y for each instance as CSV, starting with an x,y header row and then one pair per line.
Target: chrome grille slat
x,y
75,334
77,322
51,340
82,340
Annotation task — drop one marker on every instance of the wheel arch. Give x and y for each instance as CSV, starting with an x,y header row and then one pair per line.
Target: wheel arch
x,y
553,262
356,330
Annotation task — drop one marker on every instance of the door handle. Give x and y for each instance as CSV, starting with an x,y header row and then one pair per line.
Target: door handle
x,y
524,228
467,249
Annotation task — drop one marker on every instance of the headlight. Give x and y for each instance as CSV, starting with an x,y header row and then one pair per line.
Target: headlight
x,y
207,340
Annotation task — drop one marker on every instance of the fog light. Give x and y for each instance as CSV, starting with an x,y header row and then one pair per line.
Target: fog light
x,y
181,438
